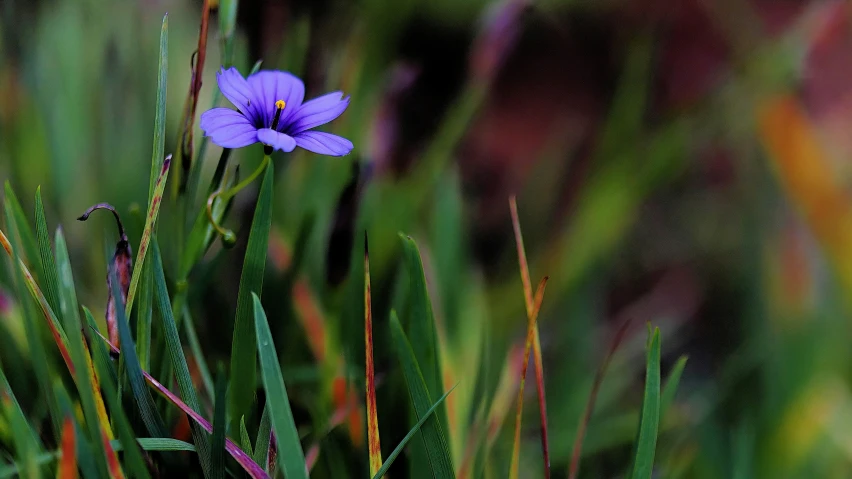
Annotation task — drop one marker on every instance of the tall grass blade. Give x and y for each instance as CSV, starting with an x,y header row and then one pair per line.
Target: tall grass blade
x,y
29,252
437,449
291,458
243,372
399,448
87,382
32,330
176,355
158,149
25,439
148,232
133,459
421,325
243,459
531,322
150,416
530,306
574,466
217,448
649,421
373,440
53,324
48,264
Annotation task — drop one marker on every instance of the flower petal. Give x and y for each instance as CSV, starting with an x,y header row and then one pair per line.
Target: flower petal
x,y
278,141
271,86
228,128
324,143
238,92
318,111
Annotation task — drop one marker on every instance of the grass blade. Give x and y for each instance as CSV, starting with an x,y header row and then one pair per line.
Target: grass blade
x,y
24,438
531,322
243,459
530,306
264,434
67,468
649,422
574,467
243,372
375,446
670,388
150,416
217,448
421,325
132,455
32,330
399,448
291,458
436,445
48,264
158,149
197,354
25,234
245,442
176,355
148,232
87,382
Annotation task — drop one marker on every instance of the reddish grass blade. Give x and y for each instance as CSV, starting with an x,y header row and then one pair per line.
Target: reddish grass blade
x,y
372,414
185,156
114,466
55,328
238,454
574,468
528,300
67,468
148,233
516,450
59,336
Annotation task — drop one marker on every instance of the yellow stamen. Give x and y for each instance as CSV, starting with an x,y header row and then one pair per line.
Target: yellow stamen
x,y
280,104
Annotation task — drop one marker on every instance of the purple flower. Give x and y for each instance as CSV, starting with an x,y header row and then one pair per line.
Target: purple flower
x,y
270,111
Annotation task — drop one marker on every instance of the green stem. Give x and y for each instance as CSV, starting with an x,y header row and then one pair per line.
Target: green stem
x,y
230,193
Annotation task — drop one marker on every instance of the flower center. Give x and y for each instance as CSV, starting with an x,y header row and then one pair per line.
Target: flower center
x,y
279,107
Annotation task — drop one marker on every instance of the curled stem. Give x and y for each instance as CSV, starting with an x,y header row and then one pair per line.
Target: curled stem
x,y
230,193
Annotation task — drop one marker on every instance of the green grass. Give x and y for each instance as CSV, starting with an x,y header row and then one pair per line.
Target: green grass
x,y
642,201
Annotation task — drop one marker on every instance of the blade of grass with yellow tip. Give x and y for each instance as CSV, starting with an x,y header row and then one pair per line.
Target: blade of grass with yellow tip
x,y
55,328
375,446
531,322
530,306
148,232
87,382
67,468
32,329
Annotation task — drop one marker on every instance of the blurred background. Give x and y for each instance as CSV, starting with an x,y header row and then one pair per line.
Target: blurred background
x,y
678,162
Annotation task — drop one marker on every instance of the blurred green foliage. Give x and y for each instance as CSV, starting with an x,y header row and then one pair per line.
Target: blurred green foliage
x,y
696,214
